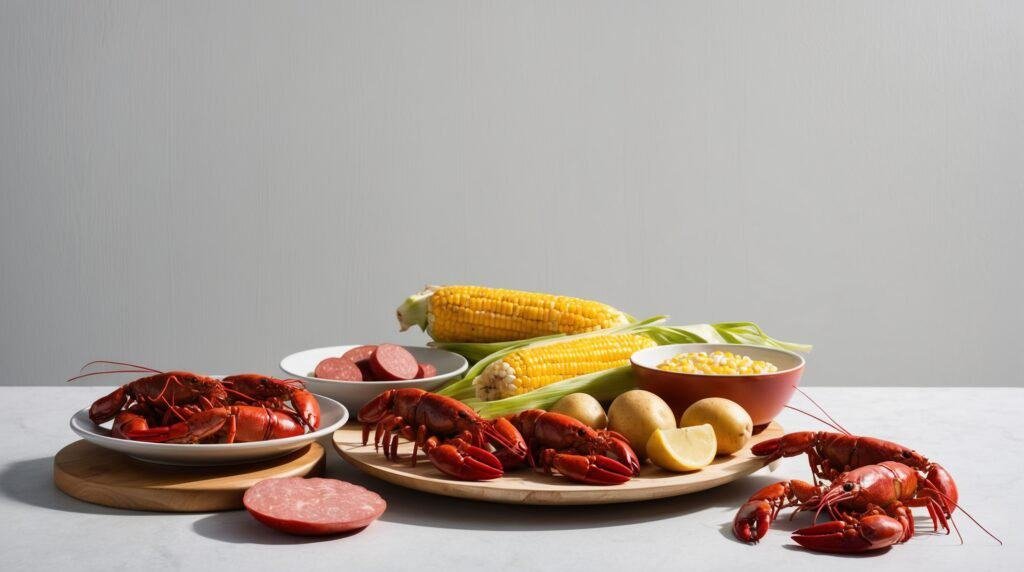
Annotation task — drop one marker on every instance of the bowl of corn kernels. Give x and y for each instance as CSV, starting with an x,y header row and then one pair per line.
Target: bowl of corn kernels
x,y
760,379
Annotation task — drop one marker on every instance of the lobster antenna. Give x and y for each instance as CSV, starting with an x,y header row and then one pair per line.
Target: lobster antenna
x,y
957,529
934,489
120,363
106,372
239,395
822,409
830,499
813,416
174,410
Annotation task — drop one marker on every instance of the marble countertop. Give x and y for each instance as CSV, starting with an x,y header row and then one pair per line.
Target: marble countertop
x,y
974,433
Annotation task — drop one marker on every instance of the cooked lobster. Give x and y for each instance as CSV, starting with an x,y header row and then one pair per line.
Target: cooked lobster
x,y
455,439
234,423
873,486
576,451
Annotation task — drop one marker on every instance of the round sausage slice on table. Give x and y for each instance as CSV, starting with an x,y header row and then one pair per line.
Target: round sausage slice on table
x,y
393,363
338,369
312,507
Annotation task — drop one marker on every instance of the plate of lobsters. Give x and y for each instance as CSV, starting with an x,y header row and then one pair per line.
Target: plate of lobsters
x,y
184,418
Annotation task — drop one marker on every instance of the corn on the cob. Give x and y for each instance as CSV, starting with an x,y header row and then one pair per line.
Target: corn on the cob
x,y
480,314
538,366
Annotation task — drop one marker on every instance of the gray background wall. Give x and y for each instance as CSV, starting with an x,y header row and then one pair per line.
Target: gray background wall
x,y
213,185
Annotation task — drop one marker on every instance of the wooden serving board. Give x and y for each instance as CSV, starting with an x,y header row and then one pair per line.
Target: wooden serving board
x,y
524,486
101,476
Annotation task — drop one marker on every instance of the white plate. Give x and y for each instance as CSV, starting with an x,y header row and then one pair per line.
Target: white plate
x,y
355,394
332,416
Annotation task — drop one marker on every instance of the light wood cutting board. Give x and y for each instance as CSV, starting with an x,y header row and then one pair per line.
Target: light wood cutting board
x,y
101,476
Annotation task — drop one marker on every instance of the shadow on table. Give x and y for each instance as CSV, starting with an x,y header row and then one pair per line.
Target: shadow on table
x,y
238,527
31,482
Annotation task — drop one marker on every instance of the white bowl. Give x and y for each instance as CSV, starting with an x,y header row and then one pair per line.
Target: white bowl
x,y
332,416
355,394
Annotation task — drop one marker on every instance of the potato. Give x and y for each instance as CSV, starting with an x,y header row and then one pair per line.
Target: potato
x,y
637,414
731,422
583,408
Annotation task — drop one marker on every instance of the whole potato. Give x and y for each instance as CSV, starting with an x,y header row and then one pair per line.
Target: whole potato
x,y
584,408
731,422
637,414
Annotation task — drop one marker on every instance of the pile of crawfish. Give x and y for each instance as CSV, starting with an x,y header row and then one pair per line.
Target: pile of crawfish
x,y
184,407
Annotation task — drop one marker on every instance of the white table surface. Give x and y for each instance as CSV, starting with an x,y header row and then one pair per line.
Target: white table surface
x,y
975,433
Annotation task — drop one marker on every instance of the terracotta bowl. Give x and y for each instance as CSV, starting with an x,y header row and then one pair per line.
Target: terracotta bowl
x,y
762,395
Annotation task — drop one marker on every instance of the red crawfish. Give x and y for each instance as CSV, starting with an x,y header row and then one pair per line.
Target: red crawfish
x,y
453,436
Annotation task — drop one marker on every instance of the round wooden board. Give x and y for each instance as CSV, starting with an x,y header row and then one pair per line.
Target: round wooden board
x,y
529,487
101,476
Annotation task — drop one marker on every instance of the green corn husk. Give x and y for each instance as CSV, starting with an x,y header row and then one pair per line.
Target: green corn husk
x,y
751,334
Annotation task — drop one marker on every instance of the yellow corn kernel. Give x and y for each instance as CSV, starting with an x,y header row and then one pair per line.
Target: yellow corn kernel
x,y
717,363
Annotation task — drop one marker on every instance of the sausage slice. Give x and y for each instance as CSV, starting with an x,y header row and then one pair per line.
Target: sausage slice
x,y
312,507
393,363
426,370
361,357
338,369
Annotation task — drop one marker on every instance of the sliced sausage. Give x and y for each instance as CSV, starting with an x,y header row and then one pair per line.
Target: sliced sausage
x,y
358,354
367,370
361,356
312,507
339,369
393,363
426,370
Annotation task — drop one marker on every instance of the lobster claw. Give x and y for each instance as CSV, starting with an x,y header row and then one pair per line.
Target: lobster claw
x,y
591,469
464,461
196,427
788,445
128,422
624,453
870,533
307,406
510,448
752,520
378,408
756,515
940,479
105,408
